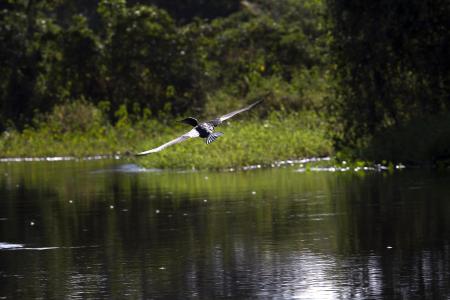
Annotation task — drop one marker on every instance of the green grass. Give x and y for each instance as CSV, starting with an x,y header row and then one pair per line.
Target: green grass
x,y
245,142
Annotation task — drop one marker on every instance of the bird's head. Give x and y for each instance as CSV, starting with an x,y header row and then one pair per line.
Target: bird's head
x,y
190,121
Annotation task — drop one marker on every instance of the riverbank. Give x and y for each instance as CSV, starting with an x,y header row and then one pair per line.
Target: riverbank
x,y
252,141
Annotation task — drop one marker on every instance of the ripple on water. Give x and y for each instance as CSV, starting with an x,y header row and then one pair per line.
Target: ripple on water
x,y
127,168
12,246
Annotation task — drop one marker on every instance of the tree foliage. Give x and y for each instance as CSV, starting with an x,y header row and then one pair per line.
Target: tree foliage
x,y
151,55
392,61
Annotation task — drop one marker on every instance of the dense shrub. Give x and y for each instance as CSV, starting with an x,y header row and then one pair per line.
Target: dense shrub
x,y
138,55
392,66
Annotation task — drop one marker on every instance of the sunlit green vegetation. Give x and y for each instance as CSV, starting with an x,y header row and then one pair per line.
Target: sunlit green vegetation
x,y
248,141
279,136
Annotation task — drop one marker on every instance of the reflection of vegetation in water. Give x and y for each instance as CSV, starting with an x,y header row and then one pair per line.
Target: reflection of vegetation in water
x,y
155,230
184,219
262,194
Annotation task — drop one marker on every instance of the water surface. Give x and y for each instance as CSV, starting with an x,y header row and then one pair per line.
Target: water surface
x,y
110,230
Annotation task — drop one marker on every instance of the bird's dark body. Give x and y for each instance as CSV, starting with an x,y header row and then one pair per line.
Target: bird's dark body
x,y
204,129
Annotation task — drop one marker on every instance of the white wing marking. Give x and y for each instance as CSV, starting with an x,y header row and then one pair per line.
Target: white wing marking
x,y
191,134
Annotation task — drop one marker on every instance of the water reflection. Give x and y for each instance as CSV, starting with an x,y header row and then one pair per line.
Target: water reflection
x,y
107,230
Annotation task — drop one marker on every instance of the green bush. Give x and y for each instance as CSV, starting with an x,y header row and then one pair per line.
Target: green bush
x,y
72,117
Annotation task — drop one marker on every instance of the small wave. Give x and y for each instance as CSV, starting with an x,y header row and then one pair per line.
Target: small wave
x,y
9,246
127,168
37,248
133,168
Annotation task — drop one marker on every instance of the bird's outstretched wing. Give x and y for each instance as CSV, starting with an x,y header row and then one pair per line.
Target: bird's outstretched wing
x,y
191,134
219,120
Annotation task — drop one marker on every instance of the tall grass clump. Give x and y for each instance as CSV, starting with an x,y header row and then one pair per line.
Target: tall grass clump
x,y
75,128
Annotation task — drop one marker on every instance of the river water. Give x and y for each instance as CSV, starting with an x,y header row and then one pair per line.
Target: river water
x,y
110,230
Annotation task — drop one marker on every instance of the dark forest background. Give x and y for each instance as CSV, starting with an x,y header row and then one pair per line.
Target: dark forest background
x,y
378,72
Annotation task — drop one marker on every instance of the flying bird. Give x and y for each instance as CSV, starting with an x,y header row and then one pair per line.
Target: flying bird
x,y
203,130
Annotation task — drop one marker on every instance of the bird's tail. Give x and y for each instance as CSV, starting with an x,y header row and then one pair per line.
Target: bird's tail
x,y
212,137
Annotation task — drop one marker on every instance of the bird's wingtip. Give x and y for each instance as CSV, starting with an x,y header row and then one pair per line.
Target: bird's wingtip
x,y
256,103
142,153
